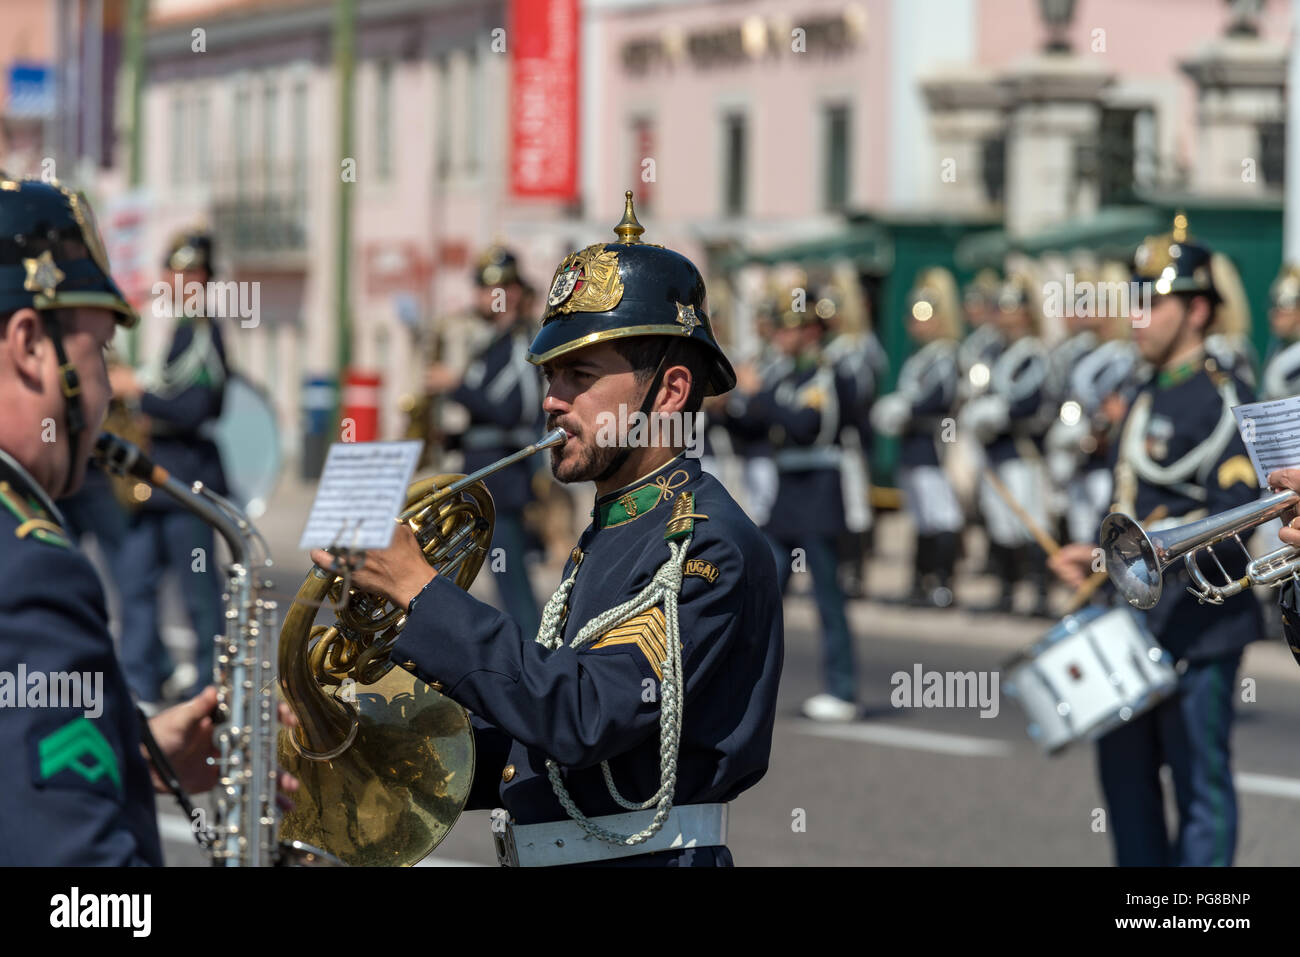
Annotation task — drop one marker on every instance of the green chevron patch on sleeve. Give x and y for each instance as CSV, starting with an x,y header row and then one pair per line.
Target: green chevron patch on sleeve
x,y
78,747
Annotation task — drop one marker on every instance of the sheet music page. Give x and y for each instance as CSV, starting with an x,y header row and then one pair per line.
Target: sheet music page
x,y
1271,432
362,490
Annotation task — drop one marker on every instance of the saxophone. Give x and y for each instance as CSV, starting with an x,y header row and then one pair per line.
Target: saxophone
x,y
245,829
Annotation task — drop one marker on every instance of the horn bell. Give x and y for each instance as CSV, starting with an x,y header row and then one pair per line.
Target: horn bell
x,y
1135,561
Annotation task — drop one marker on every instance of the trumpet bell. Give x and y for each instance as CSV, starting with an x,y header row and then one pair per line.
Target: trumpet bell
x,y
1134,561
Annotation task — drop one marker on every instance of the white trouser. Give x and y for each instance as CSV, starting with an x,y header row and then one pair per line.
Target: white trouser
x,y
760,487
1026,484
1088,502
931,501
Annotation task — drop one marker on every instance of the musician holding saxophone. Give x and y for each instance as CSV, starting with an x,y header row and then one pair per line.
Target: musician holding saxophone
x,y
77,788
651,687
1179,450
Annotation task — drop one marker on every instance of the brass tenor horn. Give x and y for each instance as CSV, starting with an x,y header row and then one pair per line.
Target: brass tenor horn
x,y
384,760
1136,560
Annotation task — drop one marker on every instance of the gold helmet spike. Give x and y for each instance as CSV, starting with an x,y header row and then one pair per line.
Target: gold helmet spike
x,y
628,229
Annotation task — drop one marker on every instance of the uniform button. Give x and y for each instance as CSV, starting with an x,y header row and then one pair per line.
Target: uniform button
x,y
508,774
436,685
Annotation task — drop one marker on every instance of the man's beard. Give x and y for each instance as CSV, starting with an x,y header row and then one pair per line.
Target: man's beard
x,y
593,461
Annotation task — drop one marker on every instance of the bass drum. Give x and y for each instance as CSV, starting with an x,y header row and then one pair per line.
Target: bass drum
x,y
249,440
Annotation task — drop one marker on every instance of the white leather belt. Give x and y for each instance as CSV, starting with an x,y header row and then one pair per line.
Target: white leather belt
x,y
564,842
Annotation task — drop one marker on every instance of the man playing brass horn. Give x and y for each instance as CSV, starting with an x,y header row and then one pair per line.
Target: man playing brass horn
x,y
647,700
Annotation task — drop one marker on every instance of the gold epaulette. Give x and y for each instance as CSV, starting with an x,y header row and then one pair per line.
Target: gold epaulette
x,y
681,521
32,522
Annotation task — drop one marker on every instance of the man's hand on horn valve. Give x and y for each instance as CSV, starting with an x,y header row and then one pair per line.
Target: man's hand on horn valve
x,y
1284,480
397,572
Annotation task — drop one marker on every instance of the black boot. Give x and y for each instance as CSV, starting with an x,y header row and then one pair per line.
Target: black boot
x,y
945,560
1008,574
1034,570
1002,567
921,564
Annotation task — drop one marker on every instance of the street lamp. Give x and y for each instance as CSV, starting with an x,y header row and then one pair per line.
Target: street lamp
x,y
1057,15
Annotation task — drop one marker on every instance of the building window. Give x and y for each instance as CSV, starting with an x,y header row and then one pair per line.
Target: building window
x,y
735,162
443,118
203,138
384,120
835,136
473,128
178,139
299,145
269,126
993,168
243,102
1272,154
1116,162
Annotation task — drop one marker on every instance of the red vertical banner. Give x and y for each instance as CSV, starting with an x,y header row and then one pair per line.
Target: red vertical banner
x,y
543,40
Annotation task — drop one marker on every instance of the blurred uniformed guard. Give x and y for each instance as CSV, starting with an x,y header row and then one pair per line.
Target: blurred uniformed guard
x,y
77,790
982,345
916,413
180,398
1281,378
502,394
1011,420
1179,448
803,406
853,350
647,700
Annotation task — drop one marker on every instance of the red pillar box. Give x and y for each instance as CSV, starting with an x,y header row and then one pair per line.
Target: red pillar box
x,y
361,405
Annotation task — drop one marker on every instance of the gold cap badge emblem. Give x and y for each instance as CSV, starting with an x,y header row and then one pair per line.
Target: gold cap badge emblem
x,y
42,275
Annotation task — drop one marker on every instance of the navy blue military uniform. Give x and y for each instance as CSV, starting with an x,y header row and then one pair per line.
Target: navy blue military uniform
x,y
802,410
669,563
1179,448
587,706
77,790
161,534
502,393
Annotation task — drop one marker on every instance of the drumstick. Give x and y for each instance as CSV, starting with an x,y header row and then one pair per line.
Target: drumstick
x,y
1086,590
1045,541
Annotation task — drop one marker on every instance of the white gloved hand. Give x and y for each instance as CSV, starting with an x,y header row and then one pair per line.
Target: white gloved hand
x,y
891,413
986,416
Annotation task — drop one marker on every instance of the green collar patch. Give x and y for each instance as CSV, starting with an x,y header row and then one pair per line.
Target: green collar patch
x,y
79,747
32,518
633,504
1180,374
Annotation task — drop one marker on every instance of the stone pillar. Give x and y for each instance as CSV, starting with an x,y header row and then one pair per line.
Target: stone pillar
x,y
1241,84
966,111
1054,100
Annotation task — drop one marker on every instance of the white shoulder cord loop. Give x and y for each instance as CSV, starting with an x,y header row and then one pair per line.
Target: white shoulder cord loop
x,y
1134,448
664,587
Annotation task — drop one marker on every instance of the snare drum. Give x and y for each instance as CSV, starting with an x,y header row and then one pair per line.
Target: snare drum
x,y
1092,673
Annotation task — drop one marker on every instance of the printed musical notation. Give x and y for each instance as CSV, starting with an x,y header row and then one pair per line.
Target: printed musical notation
x,y
1271,433
361,492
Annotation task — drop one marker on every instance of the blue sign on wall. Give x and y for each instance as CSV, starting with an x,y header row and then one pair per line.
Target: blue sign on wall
x,y
31,91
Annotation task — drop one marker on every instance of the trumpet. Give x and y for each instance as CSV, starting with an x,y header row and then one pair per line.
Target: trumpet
x,y
1137,560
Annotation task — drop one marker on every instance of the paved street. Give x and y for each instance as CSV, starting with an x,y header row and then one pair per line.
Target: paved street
x,y
913,786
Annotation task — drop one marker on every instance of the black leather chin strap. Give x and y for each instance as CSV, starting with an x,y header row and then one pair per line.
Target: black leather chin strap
x,y
646,404
74,418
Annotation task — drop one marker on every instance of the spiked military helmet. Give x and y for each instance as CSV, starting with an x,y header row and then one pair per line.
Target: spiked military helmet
x,y
1285,291
628,288
498,266
51,253
1175,262
191,249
